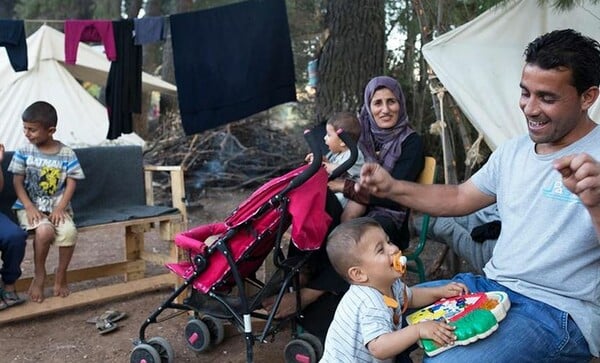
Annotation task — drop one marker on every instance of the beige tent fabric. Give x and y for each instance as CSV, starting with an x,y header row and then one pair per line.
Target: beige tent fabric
x,y
82,120
480,62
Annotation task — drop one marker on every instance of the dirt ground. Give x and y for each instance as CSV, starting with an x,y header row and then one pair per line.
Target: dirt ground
x,y
67,338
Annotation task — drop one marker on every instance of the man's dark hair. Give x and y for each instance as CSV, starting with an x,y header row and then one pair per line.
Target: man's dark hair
x,y
41,112
568,48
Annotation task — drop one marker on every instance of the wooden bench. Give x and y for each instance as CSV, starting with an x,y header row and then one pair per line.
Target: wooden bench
x,y
117,192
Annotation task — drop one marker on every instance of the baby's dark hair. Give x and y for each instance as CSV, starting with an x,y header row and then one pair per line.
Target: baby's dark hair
x,y
342,240
41,112
570,49
346,121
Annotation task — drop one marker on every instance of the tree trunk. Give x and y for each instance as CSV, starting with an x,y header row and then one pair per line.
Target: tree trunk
x,y
7,9
152,51
354,52
134,9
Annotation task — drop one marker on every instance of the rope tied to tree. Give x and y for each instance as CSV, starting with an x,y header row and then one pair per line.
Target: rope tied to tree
x,y
473,155
439,126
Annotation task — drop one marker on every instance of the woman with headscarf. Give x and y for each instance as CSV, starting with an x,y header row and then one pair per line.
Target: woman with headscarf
x,y
386,138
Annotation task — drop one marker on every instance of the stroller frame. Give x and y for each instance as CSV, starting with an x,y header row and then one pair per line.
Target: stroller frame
x,y
217,306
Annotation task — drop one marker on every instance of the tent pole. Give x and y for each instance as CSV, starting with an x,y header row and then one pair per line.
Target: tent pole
x,y
449,166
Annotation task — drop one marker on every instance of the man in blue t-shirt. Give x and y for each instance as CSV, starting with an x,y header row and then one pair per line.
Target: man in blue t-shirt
x,y
547,188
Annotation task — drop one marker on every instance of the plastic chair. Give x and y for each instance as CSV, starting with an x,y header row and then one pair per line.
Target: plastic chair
x,y
428,175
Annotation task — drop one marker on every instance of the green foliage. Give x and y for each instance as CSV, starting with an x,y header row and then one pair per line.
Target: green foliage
x,y
563,5
107,9
54,9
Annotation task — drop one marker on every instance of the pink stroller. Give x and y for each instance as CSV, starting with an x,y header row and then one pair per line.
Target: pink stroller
x,y
224,257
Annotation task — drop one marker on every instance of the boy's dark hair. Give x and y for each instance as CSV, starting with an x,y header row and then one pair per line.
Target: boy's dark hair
x,y
346,121
568,48
341,241
40,112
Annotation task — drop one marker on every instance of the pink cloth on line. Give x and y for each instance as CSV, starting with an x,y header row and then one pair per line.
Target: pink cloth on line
x,y
89,31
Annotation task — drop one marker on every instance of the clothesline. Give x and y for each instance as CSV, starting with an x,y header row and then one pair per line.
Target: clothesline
x,y
260,76
43,21
57,21
147,29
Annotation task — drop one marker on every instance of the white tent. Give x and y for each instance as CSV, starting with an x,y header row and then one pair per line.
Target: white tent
x,y
480,62
82,120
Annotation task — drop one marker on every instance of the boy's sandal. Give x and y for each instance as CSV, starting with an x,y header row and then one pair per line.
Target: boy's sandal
x,y
109,315
9,298
105,326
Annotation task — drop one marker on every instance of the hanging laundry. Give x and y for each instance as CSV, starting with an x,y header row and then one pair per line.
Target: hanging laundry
x,y
88,31
149,29
124,84
12,37
231,62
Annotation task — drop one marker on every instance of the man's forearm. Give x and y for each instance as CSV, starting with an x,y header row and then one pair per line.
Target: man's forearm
x,y
438,199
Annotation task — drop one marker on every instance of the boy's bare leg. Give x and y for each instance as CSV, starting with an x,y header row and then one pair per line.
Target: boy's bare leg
x,y
44,235
60,283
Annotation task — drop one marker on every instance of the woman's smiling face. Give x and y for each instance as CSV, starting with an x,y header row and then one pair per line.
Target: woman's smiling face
x,y
385,108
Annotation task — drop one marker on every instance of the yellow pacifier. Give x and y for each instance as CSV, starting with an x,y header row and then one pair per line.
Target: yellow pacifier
x,y
399,262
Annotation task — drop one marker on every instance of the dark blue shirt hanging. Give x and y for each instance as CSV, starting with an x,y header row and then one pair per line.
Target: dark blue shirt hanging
x,y
231,62
12,37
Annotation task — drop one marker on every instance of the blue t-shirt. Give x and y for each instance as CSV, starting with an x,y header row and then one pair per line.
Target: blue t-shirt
x,y
548,249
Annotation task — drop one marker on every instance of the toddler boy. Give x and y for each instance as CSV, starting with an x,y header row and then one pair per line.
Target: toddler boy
x,y
338,150
367,325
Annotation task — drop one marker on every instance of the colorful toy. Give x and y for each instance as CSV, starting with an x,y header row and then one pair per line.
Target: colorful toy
x,y
475,316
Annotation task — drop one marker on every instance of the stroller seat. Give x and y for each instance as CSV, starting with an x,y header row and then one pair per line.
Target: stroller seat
x,y
250,232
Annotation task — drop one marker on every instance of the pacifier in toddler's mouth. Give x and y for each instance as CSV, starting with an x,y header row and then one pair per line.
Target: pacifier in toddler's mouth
x,y
399,262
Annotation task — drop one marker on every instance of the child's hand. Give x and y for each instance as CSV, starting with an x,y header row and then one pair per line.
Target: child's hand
x,y
57,216
453,289
309,158
1,152
34,216
441,333
336,185
330,167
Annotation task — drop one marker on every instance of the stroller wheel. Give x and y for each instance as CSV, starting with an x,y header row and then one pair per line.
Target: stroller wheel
x,y
164,349
299,351
216,329
314,342
144,353
197,335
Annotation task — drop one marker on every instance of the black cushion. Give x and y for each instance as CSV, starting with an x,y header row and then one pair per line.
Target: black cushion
x,y
112,191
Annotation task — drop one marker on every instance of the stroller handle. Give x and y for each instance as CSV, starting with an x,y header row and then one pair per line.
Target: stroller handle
x,y
313,167
342,168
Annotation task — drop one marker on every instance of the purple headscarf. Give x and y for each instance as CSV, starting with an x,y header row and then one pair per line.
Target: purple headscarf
x,y
373,138
387,141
